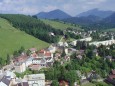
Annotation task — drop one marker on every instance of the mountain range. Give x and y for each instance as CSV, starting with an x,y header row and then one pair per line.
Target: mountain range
x,y
59,14
96,12
92,17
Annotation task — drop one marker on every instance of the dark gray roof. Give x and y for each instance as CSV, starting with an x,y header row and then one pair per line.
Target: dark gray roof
x,y
23,84
5,80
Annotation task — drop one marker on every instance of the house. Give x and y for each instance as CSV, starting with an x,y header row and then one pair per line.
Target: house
x,y
45,53
60,44
28,61
20,67
63,83
23,57
64,44
34,55
34,67
66,50
111,78
37,64
48,54
57,56
23,84
35,79
33,50
7,79
79,56
41,52
52,49
73,43
41,62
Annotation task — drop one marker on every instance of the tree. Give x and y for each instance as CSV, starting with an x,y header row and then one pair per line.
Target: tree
x,y
21,50
55,83
63,53
8,59
34,16
71,76
28,52
15,54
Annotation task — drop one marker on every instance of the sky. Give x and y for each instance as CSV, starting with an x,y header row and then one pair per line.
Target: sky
x,y
72,7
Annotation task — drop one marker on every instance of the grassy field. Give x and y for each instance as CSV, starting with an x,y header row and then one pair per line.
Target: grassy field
x,y
59,25
12,39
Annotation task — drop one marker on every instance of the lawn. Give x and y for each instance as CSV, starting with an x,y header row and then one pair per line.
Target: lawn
x,y
95,84
12,39
59,24
88,84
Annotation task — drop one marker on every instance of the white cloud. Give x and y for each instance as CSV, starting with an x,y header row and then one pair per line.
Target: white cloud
x,y
95,2
72,7
49,8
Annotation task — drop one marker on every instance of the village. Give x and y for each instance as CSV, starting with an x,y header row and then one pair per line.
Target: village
x,y
39,60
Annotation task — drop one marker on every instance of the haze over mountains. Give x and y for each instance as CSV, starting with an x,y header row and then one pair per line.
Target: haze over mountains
x,y
96,12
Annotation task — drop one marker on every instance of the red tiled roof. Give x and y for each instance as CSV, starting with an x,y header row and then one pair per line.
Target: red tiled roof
x,y
42,51
63,83
112,76
21,58
34,55
33,49
113,71
47,54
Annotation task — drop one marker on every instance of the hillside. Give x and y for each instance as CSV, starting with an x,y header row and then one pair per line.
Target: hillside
x,y
59,24
33,26
12,39
84,20
55,14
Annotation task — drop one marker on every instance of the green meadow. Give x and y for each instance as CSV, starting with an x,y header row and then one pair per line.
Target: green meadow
x,y
11,39
59,24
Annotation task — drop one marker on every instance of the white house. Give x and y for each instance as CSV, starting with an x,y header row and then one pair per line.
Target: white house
x,y
29,61
52,49
74,43
66,50
20,67
35,79
60,44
